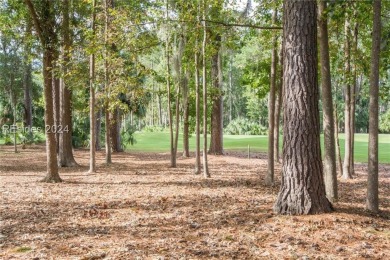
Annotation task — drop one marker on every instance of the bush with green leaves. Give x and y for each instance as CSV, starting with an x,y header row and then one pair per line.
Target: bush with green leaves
x,y
243,126
384,122
127,136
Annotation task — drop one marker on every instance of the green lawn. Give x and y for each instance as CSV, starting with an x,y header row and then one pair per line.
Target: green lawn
x,y
159,142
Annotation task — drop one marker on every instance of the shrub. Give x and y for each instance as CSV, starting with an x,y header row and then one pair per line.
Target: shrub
x,y
243,126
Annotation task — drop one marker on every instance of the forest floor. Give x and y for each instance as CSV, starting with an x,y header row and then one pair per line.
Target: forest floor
x,y
139,208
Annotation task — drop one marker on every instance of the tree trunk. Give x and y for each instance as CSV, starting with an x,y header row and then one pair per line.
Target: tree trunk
x,y
48,38
92,116
302,189
269,179
186,115
27,87
353,97
108,4
206,172
168,72
65,152
216,138
338,153
108,139
56,102
347,108
372,184
330,174
115,131
197,108
98,127
51,144
278,108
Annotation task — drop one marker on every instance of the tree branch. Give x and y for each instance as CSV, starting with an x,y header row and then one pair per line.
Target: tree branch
x,y
37,23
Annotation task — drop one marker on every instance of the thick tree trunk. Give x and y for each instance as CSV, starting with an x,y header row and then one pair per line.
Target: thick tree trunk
x,y
330,174
269,178
56,102
302,189
216,138
373,183
51,145
65,152
347,108
115,131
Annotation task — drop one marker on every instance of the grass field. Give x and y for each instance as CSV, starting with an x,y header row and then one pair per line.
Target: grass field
x,y
159,142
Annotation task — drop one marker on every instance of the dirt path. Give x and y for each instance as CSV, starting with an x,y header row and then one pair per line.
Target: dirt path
x,y
139,207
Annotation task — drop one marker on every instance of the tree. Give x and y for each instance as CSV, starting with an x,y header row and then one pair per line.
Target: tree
x,y
330,174
107,5
269,179
92,115
206,172
302,189
65,152
372,184
347,107
44,26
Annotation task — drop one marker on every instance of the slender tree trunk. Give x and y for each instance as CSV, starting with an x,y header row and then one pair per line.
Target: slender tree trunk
x,y
206,172
56,101
230,88
108,4
353,97
330,174
216,138
338,153
347,108
186,115
269,179
98,127
302,189
373,183
65,152
197,108
92,116
168,72
27,87
278,108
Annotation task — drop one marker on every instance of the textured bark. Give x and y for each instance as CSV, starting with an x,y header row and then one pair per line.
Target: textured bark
x,y
206,172
186,115
278,108
115,131
216,138
337,140
108,4
65,152
168,81
373,184
330,174
353,97
107,136
56,101
197,108
98,127
347,107
27,87
45,30
302,188
92,115
269,178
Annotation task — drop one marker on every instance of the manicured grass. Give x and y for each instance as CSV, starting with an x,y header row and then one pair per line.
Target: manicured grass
x,y
159,142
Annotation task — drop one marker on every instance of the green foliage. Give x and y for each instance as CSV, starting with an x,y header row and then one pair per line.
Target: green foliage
x,y
384,122
153,129
243,126
127,136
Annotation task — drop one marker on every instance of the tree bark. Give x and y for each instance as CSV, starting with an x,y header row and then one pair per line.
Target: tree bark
x,y
330,174
65,153
186,115
197,108
108,4
115,131
269,179
45,30
216,138
92,115
98,127
347,108
302,189
56,101
278,108
27,86
206,172
372,203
